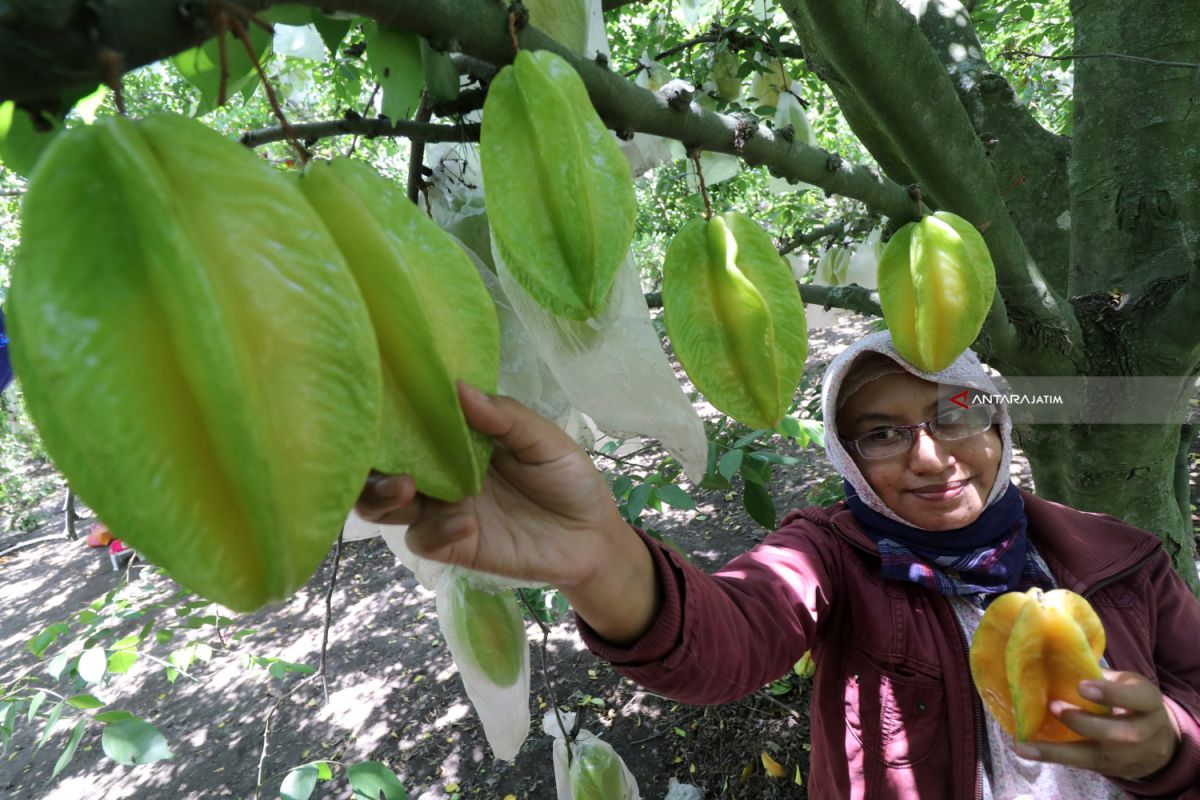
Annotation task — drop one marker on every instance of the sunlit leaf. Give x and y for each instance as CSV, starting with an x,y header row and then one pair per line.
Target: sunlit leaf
x,y
371,780
68,752
134,741
395,58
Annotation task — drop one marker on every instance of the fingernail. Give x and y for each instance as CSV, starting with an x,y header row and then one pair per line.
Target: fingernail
x,y
390,486
474,393
1027,751
1090,690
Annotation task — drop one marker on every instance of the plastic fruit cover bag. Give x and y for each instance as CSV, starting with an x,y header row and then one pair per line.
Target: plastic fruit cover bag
x,y
594,772
613,367
484,629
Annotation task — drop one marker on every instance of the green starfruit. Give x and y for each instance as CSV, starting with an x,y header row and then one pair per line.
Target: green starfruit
x,y
597,772
195,353
434,321
936,285
735,318
489,624
559,194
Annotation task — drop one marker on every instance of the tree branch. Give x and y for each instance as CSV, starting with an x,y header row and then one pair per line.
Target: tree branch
x,y
361,126
890,71
851,298
1029,161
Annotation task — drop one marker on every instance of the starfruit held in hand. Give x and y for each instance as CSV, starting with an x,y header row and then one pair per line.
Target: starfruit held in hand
x,y
936,285
735,318
195,353
559,194
434,321
1033,647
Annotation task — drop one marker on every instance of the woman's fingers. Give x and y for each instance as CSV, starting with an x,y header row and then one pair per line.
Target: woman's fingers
x,y
530,437
389,499
1138,738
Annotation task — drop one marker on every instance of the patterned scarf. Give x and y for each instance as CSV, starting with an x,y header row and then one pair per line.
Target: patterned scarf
x,y
991,555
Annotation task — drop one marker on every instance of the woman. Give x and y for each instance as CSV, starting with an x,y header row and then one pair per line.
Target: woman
x,y
886,588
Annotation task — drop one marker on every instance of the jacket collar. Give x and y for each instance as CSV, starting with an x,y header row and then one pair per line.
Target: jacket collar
x,y
1071,552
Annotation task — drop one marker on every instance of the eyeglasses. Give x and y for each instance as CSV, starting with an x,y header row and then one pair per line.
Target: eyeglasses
x,y
949,426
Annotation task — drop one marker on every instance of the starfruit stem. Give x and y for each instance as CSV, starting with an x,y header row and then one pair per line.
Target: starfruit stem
x,y
302,154
518,18
567,737
695,156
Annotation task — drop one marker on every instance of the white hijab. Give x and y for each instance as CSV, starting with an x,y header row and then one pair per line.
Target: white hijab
x,y
966,371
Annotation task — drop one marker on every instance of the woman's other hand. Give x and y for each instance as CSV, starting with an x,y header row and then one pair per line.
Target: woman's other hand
x,y
1139,738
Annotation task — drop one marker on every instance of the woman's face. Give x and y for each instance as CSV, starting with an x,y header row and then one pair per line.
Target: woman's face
x,y
935,485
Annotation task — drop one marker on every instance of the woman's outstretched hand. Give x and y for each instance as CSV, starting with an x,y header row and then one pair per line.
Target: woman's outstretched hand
x,y
545,514
1138,739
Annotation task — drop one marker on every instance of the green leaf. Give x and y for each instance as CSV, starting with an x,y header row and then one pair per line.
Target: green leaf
x,y
299,783
395,58
69,752
58,664
759,504
332,31
621,487
51,721
637,501
35,703
371,780
815,430
9,715
122,660
288,14
92,664
85,702
790,426
323,770
756,470
112,716
673,495
752,436
40,643
134,741
125,643
201,66
441,76
162,637
21,142
730,463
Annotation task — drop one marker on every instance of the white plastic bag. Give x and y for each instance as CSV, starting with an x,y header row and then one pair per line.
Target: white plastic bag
x,y
586,749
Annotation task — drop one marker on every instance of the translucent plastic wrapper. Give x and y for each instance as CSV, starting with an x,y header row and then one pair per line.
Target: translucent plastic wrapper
x,y
789,112
830,271
613,368
863,268
595,771
482,624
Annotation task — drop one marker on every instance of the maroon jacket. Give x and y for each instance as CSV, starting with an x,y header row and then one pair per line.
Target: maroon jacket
x,y
894,711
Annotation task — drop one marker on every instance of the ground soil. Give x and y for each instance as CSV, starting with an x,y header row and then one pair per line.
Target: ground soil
x,y
394,694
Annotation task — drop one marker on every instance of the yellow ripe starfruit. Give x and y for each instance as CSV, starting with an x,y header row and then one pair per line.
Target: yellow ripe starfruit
x,y
735,318
434,320
936,285
559,194
195,353
1033,647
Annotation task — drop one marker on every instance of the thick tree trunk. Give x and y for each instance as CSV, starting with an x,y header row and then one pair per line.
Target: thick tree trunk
x,y
1128,471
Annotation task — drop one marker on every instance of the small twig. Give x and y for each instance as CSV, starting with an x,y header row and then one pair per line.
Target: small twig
x,y
359,126
11,192
567,738
416,149
320,673
69,516
1116,56
773,699
366,111
518,18
289,133
337,557
674,724
695,156
262,757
